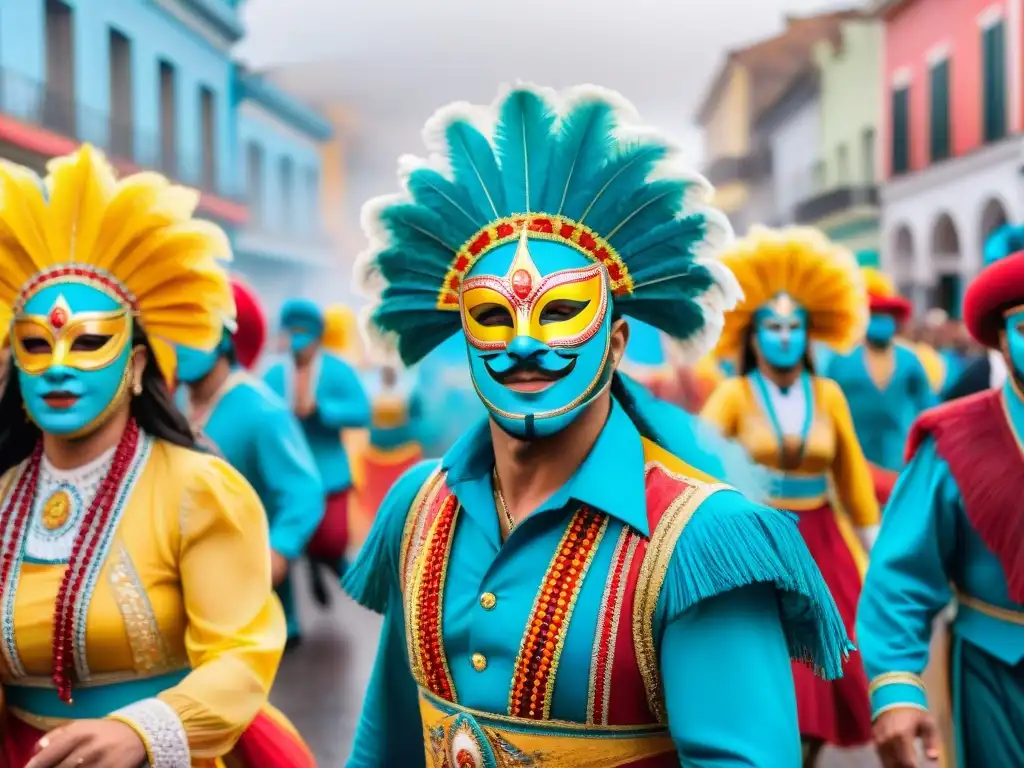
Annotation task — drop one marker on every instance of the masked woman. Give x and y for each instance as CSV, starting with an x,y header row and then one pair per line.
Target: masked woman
x,y
138,620
799,288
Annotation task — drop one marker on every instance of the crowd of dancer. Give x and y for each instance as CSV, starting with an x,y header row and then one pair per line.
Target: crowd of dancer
x,y
706,506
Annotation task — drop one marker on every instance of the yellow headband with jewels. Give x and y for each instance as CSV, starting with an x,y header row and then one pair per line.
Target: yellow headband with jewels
x,y
563,309
87,341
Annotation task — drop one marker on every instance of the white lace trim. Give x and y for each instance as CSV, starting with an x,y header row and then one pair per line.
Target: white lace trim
x,y
161,731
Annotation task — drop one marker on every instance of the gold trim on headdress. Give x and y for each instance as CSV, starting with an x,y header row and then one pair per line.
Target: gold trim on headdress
x,y
820,276
134,238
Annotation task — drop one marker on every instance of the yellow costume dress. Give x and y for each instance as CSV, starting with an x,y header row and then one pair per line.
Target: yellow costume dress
x,y
136,587
804,437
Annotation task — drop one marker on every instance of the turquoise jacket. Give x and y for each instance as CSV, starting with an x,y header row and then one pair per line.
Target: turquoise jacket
x,y
927,547
341,404
883,417
741,595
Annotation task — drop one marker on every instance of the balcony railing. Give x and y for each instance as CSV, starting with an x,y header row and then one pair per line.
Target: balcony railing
x,y
35,104
831,201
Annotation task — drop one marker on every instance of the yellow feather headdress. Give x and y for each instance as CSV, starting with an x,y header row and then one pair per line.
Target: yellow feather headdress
x,y
877,282
820,276
133,238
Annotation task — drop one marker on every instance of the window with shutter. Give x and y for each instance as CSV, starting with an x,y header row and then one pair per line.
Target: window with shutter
x,y
939,113
994,81
901,130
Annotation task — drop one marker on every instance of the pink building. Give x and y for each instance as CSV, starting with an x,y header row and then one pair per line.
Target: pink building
x,y
950,140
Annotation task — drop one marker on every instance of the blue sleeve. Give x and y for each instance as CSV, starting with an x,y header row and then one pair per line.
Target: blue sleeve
x,y
291,478
728,683
341,401
907,582
274,378
390,732
729,543
921,391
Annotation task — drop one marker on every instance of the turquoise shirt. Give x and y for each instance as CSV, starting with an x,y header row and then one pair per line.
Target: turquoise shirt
x,y
341,404
726,620
257,434
926,544
883,417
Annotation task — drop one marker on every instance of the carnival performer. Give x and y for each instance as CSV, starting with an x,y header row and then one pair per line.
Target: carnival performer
x,y
949,532
327,396
561,589
394,445
884,383
799,288
255,431
139,623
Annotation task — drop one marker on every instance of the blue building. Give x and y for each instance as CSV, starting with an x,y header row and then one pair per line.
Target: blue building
x,y
153,83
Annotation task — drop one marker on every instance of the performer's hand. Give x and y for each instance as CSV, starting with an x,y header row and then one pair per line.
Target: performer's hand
x,y
278,567
896,733
90,744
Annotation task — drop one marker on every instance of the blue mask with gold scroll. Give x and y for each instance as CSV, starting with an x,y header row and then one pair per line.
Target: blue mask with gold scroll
x,y
537,319
881,328
781,328
1015,341
72,347
194,365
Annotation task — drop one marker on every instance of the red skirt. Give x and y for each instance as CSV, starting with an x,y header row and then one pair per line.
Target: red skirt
x,y
331,539
885,480
269,742
838,711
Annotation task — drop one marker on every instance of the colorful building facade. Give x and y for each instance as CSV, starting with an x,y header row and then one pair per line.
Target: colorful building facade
x,y
843,201
153,84
950,149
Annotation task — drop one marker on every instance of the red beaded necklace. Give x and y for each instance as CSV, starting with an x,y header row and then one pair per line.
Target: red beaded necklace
x,y
84,548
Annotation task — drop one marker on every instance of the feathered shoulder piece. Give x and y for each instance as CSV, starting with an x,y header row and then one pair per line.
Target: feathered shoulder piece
x,y
820,276
572,167
133,238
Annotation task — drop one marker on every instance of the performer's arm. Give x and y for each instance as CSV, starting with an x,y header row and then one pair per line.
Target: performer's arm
x,y
728,683
851,472
341,401
235,631
907,582
741,597
723,406
290,474
390,732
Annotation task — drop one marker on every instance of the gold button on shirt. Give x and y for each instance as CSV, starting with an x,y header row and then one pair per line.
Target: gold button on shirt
x,y
479,662
488,600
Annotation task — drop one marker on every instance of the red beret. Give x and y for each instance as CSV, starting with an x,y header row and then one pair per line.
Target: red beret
x,y
894,305
999,287
251,333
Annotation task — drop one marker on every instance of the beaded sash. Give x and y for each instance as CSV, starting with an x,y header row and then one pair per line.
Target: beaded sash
x,y
624,684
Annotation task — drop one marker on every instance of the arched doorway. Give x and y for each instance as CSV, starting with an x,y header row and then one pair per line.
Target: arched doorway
x,y
993,216
903,260
946,265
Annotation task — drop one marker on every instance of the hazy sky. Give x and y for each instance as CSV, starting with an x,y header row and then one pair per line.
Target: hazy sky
x,y
395,61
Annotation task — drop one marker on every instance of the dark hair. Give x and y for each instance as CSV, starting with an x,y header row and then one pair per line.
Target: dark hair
x,y
154,410
748,360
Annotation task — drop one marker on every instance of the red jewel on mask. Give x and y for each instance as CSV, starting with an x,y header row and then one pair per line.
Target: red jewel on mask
x,y
58,317
522,283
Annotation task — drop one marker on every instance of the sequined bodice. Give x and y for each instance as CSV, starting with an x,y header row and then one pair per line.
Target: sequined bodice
x,y
62,498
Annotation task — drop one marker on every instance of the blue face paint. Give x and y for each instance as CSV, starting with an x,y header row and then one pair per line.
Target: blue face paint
x,y
75,373
194,365
781,329
300,338
881,328
1015,341
542,310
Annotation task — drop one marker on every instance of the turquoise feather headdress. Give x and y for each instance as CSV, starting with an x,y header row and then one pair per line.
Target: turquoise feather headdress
x,y
573,167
